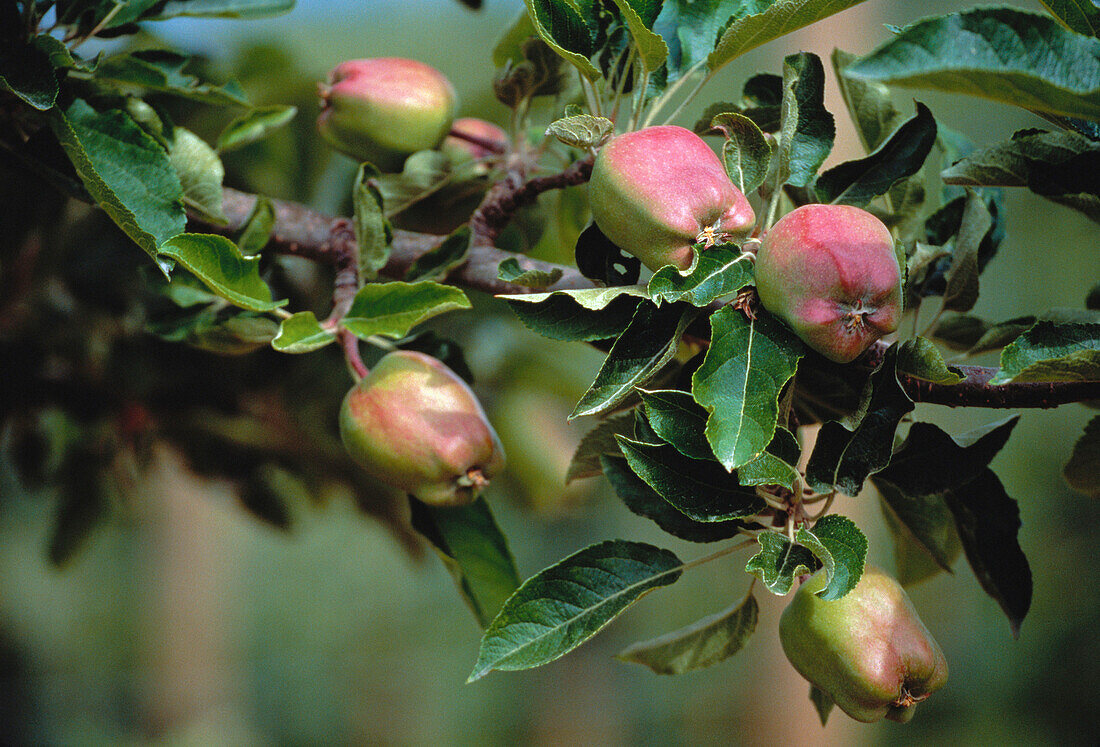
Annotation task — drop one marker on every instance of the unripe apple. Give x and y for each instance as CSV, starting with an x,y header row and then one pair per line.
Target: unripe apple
x,y
654,191
831,273
868,650
384,109
414,424
459,150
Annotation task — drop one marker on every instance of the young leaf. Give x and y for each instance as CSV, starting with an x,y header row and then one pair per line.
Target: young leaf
x,y
677,419
744,372
254,125
777,465
842,550
1052,352
779,562
647,343
644,501
372,231
598,443
707,642
392,309
437,262
560,25
257,229
161,71
1004,54
988,521
639,16
474,550
775,19
1082,471
581,315
582,130
200,172
901,155
125,170
869,104
961,292
920,523
301,333
219,264
745,153
716,272
510,271
921,359
564,605
844,457
808,130
703,491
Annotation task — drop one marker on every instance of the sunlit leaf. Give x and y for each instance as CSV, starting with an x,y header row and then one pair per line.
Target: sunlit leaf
x,y
393,308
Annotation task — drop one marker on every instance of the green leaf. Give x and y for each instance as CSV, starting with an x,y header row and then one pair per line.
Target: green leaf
x,y
437,262
644,501
161,71
647,344
597,443
126,171
869,104
475,552
219,264
775,18
564,605
923,528
372,231
200,172
582,130
301,333
739,383
1082,471
707,642
900,156
1082,16
1003,54
254,125
807,132
718,271
652,50
988,521
27,71
584,315
393,308
510,271
257,229
677,419
702,490
921,359
961,331
779,562
224,8
778,465
961,292
842,550
844,457
745,153
1052,352
560,25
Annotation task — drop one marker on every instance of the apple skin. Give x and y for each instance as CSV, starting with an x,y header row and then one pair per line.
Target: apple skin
x,y
384,109
868,650
414,424
461,151
831,273
654,190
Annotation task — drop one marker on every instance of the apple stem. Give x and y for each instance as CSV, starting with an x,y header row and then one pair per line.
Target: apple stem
x,y
350,343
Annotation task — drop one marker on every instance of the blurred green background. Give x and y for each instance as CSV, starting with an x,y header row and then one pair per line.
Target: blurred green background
x,y
186,620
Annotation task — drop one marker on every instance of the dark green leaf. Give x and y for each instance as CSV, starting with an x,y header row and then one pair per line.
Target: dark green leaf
x,y
257,229
162,71
393,308
372,231
779,562
437,262
27,72
474,550
807,133
584,315
823,704
126,171
1082,16
745,153
988,521
598,443
677,419
638,15
869,104
921,359
225,8
778,465
1004,54
82,506
254,125
560,25
644,501
718,271
222,268
842,550
744,372
961,331
707,642
1082,471
647,344
1052,352
564,605
900,156
961,292
510,271
301,333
